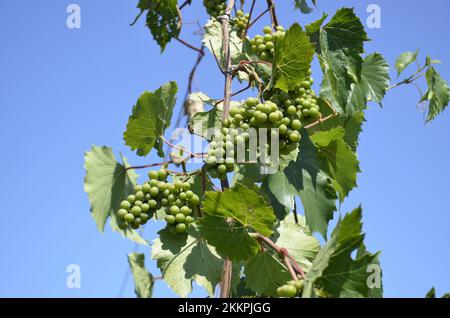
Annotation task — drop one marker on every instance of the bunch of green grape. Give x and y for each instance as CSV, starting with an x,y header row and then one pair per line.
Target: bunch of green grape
x,y
155,194
221,155
291,289
215,8
264,45
300,103
241,22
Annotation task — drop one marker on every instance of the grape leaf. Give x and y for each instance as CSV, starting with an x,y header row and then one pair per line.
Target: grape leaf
x,y
344,31
149,119
437,94
334,269
212,39
296,238
404,60
338,160
303,6
143,280
107,182
231,216
163,20
293,56
186,258
281,193
312,185
247,174
264,273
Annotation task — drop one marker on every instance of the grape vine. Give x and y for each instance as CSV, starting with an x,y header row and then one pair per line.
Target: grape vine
x,y
255,236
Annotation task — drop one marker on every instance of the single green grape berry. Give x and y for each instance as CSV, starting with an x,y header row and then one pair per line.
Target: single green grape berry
x,y
195,199
263,56
234,111
139,195
189,194
144,218
313,112
154,191
280,28
170,219
152,204
273,117
137,188
138,203
185,210
250,102
262,118
135,225
267,38
189,220
164,202
174,210
289,291
182,196
125,205
181,228
282,129
179,218
145,207
179,203
267,30
296,124
128,218
131,198
261,48
221,169
294,136
153,175
136,210
269,45
211,161
305,113
123,225
146,188
186,186
291,110
162,174
238,118
286,121
121,213
299,285
153,183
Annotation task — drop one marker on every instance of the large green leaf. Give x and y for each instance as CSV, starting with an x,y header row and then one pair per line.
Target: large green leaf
x,y
334,270
265,272
149,119
281,193
338,160
231,216
186,258
437,94
107,182
313,186
297,239
143,280
343,31
293,56
404,60
163,19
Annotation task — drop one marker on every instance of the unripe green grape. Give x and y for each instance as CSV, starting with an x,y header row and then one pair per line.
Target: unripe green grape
x,y
261,48
185,210
250,102
179,218
221,169
153,175
238,118
189,219
164,202
170,219
282,129
139,195
186,186
263,56
305,113
313,112
166,193
296,124
280,28
136,210
261,118
294,136
128,218
131,198
269,45
258,42
174,210
287,102
292,110
123,225
138,203
152,204
189,194
137,188
144,218
181,228
153,182
179,203
234,111
121,213
135,225
145,207
162,174
125,205
182,196
154,191
195,199
267,30
273,117
267,38
299,285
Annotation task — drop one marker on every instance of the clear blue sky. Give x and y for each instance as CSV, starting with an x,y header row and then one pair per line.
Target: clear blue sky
x,y
62,90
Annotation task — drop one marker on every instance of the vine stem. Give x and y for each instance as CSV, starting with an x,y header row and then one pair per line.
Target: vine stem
x,y
287,258
273,14
225,284
249,18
